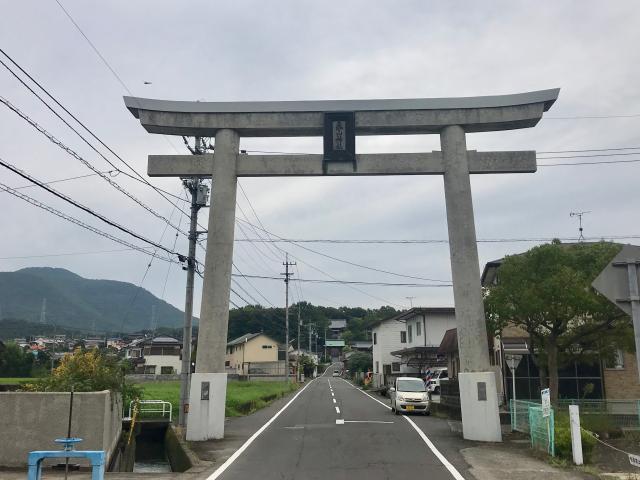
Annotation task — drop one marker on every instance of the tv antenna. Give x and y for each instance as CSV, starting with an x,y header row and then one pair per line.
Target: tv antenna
x,y
580,229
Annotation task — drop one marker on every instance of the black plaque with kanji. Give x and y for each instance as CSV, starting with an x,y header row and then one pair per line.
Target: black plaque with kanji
x,y
339,138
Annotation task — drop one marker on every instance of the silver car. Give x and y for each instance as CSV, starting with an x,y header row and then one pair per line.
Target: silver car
x,y
409,394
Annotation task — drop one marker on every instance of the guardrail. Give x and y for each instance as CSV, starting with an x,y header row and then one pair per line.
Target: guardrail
x,y
152,406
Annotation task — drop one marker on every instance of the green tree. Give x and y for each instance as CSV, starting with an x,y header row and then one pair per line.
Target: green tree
x,y
547,292
360,362
15,362
87,371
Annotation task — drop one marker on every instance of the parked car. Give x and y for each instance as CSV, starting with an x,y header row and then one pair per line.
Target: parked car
x,y
433,383
409,394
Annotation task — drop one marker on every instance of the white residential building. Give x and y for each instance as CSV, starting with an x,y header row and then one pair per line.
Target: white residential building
x,y
408,343
388,335
162,356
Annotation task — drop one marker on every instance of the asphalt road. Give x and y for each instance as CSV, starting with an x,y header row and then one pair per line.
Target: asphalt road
x,y
332,430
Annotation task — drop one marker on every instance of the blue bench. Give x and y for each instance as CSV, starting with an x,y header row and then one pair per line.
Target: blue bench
x,y
96,457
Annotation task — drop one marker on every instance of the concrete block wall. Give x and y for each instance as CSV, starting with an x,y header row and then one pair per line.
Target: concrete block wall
x,y
33,420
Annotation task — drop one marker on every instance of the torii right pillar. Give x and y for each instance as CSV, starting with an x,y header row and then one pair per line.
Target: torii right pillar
x,y
478,401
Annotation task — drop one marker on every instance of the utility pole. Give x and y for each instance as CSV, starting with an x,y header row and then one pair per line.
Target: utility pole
x,y
199,197
410,300
298,342
287,274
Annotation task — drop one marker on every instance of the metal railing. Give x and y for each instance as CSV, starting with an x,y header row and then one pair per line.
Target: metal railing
x,y
151,406
612,413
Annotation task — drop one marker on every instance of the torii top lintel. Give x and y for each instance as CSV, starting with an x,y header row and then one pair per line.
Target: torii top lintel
x,y
372,117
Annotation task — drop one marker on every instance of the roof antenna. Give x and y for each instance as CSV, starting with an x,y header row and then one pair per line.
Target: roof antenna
x,y
580,229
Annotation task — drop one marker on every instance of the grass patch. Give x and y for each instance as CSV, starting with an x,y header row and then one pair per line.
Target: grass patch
x,y
15,381
243,398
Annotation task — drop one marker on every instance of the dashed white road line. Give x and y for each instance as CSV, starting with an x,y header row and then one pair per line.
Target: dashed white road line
x,y
337,410
334,400
332,394
452,470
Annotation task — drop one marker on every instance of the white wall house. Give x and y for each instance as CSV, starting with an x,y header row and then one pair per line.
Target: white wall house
x,y
388,335
408,342
161,356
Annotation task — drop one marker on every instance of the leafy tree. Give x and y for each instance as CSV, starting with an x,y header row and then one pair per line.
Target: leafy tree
x,y
15,362
307,365
87,371
360,362
547,292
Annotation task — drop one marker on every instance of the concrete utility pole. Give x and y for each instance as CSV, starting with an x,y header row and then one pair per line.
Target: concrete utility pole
x,y
286,274
199,195
43,312
298,342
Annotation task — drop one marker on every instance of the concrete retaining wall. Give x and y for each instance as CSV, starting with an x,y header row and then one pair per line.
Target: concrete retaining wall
x,y
32,420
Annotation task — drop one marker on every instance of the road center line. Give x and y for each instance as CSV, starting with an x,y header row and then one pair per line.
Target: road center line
x,y
452,470
220,470
337,410
334,400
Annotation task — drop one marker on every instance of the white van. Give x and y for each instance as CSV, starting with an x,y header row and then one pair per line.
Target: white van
x,y
409,394
439,375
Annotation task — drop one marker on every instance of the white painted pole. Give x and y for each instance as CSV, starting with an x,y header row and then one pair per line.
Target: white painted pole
x,y
513,397
576,438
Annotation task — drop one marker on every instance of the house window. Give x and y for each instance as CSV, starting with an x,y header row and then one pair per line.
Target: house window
x,y
166,370
267,346
375,338
418,329
395,366
617,362
377,367
409,330
386,369
150,369
403,337
227,363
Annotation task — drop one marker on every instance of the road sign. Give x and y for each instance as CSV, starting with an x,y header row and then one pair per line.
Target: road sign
x,y
634,460
513,361
613,281
619,282
546,402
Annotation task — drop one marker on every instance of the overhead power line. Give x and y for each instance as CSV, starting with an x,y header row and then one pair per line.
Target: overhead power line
x,y
437,241
78,222
69,254
99,216
79,122
348,262
51,182
105,176
351,282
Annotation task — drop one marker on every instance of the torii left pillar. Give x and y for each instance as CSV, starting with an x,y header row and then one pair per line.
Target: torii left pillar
x,y
209,383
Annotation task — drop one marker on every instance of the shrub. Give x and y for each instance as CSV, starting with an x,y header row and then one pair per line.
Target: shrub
x,y
87,371
563,442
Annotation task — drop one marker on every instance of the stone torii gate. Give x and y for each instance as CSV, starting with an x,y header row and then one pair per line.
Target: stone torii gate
x,y
340,121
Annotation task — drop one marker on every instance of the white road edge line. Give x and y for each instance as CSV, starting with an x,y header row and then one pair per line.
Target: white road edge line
x,y
339,421
452,470
220,470
337,410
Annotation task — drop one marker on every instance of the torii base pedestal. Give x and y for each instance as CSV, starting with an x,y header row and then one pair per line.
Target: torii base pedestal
x,y
479,405
206,412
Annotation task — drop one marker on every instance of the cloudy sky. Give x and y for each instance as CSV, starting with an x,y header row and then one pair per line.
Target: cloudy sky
x,y
295,50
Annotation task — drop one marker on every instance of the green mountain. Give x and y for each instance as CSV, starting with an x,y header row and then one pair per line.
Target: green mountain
x,y
75,302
